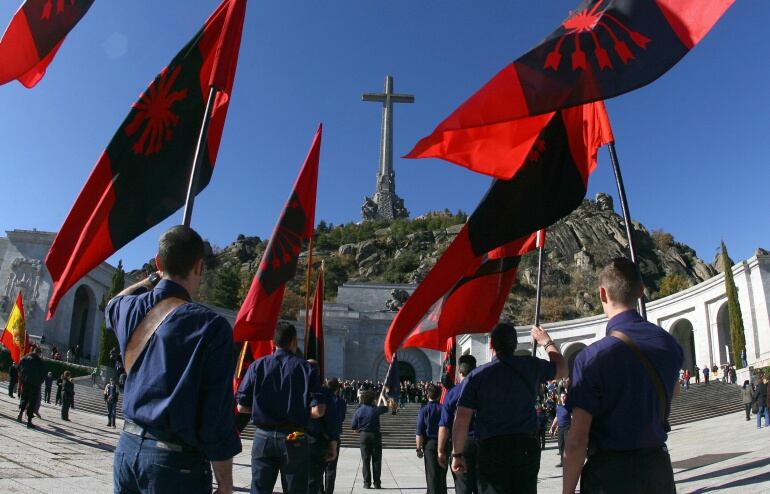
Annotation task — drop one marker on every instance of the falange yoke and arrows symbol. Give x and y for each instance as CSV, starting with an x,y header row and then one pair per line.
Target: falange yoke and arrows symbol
x,y
582,26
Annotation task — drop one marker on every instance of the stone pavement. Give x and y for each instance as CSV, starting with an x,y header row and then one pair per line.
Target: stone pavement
x,y
723,454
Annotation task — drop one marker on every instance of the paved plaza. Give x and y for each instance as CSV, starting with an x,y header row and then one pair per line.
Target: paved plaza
x,y
723,454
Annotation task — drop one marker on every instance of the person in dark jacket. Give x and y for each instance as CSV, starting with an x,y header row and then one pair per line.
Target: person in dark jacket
x,y
760,397
13,379
747,397
67,396
426,437
111,394
32,373
48,385
59,384
366,422
340,407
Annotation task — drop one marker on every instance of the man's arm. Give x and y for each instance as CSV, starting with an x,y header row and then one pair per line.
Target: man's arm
x,y
554,424
144,284
541,337
459,436
575,449
318,411
443,435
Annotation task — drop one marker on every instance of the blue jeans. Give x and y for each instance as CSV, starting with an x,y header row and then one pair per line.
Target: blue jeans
x,y
762,410
271,453
111,412
143,466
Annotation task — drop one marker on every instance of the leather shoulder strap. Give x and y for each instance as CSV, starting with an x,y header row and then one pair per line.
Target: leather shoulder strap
x,y
653,374
147,328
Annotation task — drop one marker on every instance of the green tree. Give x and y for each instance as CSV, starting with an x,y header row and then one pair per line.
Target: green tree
x,y
737,337
672,283
226,288
108,340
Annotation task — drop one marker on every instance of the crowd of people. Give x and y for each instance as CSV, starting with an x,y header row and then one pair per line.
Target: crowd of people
x,y
410,392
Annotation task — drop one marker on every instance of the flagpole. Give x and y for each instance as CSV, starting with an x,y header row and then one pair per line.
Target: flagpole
x,y
539,291
198,159
241,359
387,373
307,289
626,218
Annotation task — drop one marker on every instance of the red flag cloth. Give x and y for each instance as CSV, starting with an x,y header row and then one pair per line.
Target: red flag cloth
x,y
551,183
476,301
143,175
314,339
260,310
15,337
449,367
603,49
33,37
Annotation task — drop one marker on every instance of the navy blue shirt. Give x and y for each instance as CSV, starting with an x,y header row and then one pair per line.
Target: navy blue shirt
x,y
563,417
328,425
367,418
449,409
610,383
280,389
181,383
505,403
428,419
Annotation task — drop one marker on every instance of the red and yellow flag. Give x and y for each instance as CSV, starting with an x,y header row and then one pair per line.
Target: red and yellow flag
x,y
15,336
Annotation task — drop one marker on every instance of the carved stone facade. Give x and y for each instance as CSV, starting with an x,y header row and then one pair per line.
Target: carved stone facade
x,y
77,320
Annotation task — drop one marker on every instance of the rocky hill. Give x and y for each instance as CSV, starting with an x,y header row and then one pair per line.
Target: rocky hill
x,y
403,251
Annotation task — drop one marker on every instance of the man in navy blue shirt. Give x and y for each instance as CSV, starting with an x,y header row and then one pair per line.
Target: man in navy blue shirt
x,y
426,438
323,437
621,391
562,422
465,482
502,394
366,422
282,392
340,408
178,399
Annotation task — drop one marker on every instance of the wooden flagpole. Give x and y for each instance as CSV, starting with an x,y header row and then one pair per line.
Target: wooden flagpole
x,y
241,359
626,218
539,291
192,186
307,289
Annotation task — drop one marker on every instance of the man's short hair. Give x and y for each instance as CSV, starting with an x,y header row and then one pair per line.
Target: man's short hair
x,y
465,368
620,279
368,397
433,392
503,338
284,333
333,385
180,247
467,359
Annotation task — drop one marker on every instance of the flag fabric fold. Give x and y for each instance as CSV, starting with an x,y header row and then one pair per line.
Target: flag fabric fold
x,y
550,184
314,339
34,35
448,367
142,176
392,386
260,309
15,337
603,49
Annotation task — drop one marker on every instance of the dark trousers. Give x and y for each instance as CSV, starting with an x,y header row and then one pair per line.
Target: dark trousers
x,y
541,436
11,387
66,403
319,446
371,456
435,474
639,471
272,453
509,464
563,432
330,475
143,466
29,397
467,483
48,394
747,406
111,405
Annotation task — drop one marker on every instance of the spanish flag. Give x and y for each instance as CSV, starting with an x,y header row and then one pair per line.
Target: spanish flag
x,y
15,336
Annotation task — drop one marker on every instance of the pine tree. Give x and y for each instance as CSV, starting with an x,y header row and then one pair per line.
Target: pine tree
x,y
108,340
737,337
226,288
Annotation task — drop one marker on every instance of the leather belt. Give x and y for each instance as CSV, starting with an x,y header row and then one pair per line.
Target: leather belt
x,y
138,430
285,427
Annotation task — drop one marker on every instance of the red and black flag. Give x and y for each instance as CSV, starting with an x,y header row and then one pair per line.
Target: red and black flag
x,y
448,367
314,339
34,35
260,310
475,303
142,176
392,386
603,49
549,185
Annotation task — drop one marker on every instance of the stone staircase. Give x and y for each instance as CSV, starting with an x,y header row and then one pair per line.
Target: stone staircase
x,y
700,402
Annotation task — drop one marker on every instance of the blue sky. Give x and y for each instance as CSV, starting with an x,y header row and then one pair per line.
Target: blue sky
x,y
693,145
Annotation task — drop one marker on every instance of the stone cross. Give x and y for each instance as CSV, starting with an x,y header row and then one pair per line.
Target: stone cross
x,y
388,204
